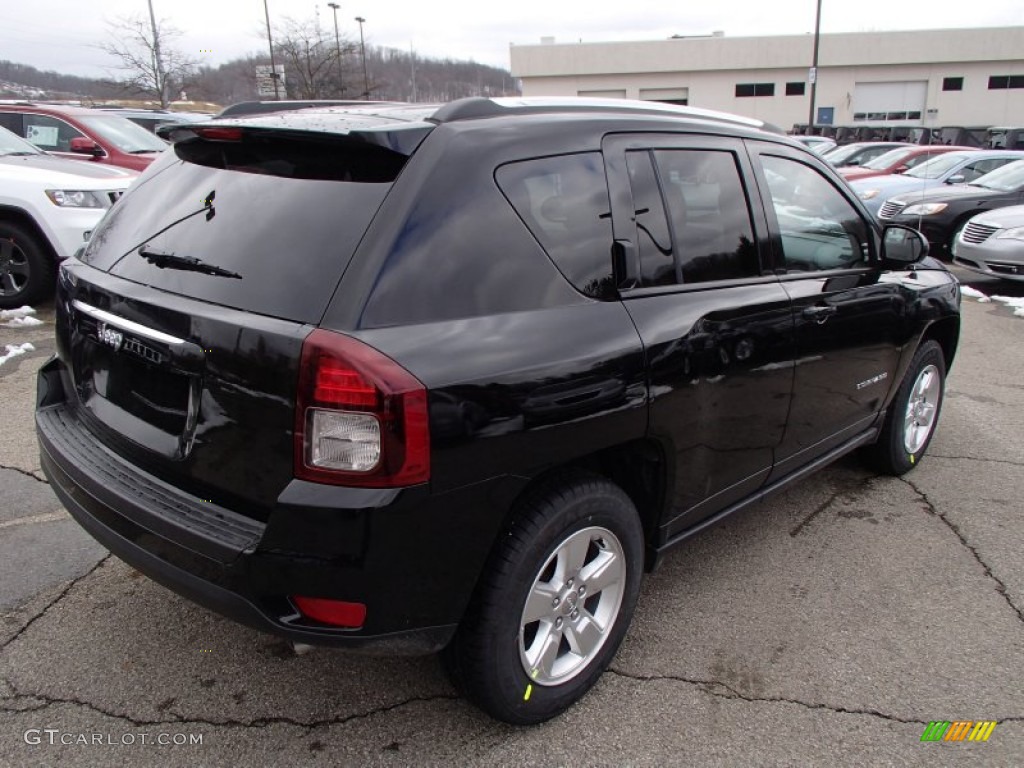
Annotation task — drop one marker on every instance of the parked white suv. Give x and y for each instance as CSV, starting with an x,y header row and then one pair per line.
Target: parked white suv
x,y
48,206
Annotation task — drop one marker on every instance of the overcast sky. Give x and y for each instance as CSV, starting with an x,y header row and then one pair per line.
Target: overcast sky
x,y
62,34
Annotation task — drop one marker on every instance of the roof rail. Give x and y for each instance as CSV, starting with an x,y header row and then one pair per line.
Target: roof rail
x,y
480,107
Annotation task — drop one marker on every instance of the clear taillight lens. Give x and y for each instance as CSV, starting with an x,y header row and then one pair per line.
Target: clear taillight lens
x,y
360,418
345,441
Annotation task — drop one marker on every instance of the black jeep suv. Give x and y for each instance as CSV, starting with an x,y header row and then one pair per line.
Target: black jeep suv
x,y
420,378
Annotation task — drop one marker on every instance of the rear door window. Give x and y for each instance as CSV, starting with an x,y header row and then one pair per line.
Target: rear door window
x,y
692,216
12,122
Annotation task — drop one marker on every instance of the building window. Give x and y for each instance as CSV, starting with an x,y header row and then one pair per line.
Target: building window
x,y
795,89
1002,82
952,83
755,89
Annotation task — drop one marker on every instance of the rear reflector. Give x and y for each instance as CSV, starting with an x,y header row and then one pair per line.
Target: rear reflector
x,y
337,613
360,418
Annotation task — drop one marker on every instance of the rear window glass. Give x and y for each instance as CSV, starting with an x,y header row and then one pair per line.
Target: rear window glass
x,y
296,157
246,226
564,202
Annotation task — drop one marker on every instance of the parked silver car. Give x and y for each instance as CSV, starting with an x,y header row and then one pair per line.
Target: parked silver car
x,y
992,243
949,168
818,144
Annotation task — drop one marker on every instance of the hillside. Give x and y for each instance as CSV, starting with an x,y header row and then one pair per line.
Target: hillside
x,y
390,73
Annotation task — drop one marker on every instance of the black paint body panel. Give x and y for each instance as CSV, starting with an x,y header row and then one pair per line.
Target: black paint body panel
x,y
722,390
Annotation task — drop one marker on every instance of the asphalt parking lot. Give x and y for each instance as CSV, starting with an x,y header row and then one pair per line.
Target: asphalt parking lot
x,y
827,626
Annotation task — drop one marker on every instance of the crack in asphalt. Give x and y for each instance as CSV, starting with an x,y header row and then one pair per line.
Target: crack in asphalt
x,y
63,593
708,687
933,510
178,719
847,488
975,458
25,472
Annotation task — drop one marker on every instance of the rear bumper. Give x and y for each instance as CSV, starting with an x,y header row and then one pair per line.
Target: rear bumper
x,y
410,557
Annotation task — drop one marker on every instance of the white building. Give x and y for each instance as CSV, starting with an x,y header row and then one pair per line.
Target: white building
x,y
961,77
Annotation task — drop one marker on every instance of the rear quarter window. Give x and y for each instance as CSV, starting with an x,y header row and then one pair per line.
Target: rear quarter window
x,y
455,249
563,201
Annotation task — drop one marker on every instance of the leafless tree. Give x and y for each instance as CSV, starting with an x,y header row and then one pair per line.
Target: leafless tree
x,y
151,65
310,57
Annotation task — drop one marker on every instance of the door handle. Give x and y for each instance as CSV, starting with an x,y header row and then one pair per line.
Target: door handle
x,y
819,313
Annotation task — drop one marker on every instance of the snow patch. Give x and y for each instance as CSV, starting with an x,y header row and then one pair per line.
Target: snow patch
x,y
11,314
19,318
1015,303
13,350
22,322
974,293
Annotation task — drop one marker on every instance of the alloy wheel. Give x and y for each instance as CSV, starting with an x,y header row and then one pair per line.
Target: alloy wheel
x,y
922,407
14,268
572,605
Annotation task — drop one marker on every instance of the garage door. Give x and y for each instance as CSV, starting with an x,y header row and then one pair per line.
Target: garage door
x,y
890,101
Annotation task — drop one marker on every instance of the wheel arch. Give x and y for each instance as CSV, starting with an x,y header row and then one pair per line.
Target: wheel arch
x,y
14,215
638,467
946,332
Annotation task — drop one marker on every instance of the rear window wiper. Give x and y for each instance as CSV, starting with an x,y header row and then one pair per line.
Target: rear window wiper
x,y
165,260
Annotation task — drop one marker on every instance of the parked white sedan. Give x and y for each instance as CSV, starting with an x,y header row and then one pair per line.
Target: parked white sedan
x,y
992,243
48,205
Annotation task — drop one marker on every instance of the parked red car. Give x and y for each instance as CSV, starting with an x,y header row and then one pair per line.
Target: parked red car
x,y
897,160
82,134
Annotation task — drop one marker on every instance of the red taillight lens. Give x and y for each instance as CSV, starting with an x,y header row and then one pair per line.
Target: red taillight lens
x,y
220,133
336,384
360,418
336,612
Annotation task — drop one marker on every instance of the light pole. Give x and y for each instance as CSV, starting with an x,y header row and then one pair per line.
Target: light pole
x,y
270,42
362,53
814,71
337,46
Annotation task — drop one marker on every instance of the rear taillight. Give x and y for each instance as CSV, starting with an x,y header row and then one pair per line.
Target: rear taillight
x,y
360,418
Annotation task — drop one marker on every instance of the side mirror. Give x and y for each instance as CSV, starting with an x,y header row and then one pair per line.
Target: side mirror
x,y
855,161
903,245
901,169
84,146
957,179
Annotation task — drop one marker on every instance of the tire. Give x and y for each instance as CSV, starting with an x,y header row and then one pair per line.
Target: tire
x,y
952,240
496,658
27,272
913,415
